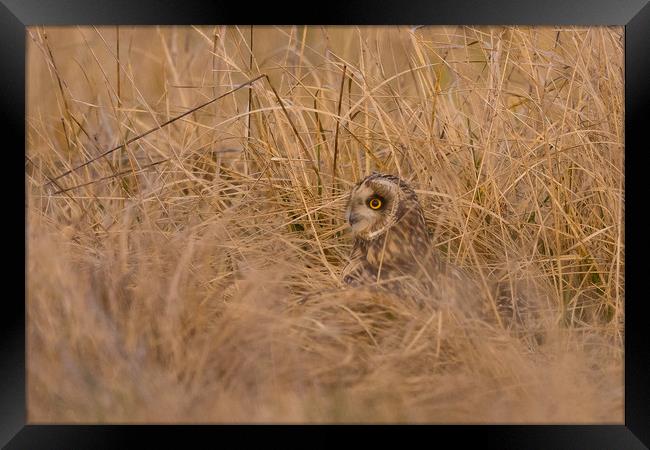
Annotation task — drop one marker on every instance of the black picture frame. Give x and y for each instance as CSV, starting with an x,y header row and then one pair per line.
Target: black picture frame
x,y
15,15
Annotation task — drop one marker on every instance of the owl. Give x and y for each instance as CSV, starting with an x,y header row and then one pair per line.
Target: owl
x,y
393,251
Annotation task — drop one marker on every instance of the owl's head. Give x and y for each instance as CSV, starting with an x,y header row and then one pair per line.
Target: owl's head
x,y
377,203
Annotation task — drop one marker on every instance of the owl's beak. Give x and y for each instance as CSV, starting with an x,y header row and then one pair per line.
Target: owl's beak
x,y
353,218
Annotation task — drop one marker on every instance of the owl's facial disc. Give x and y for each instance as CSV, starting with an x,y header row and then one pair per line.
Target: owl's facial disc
x,y
369,208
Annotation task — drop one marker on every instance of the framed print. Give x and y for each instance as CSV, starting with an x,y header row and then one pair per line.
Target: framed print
x,y
406,215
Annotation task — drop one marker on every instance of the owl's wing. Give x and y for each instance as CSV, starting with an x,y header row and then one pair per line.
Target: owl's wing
x,y
448,283
513,301
357,271
520,303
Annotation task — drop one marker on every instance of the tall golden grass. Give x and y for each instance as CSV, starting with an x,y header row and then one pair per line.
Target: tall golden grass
x,y
163,279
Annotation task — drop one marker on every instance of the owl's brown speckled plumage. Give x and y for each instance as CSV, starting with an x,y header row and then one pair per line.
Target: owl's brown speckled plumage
x,y
393,251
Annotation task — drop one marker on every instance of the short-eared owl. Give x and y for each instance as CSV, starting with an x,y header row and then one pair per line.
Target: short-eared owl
x,y
393,251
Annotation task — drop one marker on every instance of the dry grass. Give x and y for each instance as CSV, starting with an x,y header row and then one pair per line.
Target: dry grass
x,y
167,292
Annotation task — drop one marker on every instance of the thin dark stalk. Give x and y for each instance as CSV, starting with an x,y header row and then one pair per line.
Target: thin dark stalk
x,y
293,126
250,93
338,122
124,172
60,83
170,121
56,184
119,96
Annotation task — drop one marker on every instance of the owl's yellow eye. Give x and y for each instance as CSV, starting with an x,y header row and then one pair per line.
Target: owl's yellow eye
x,y
374,203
